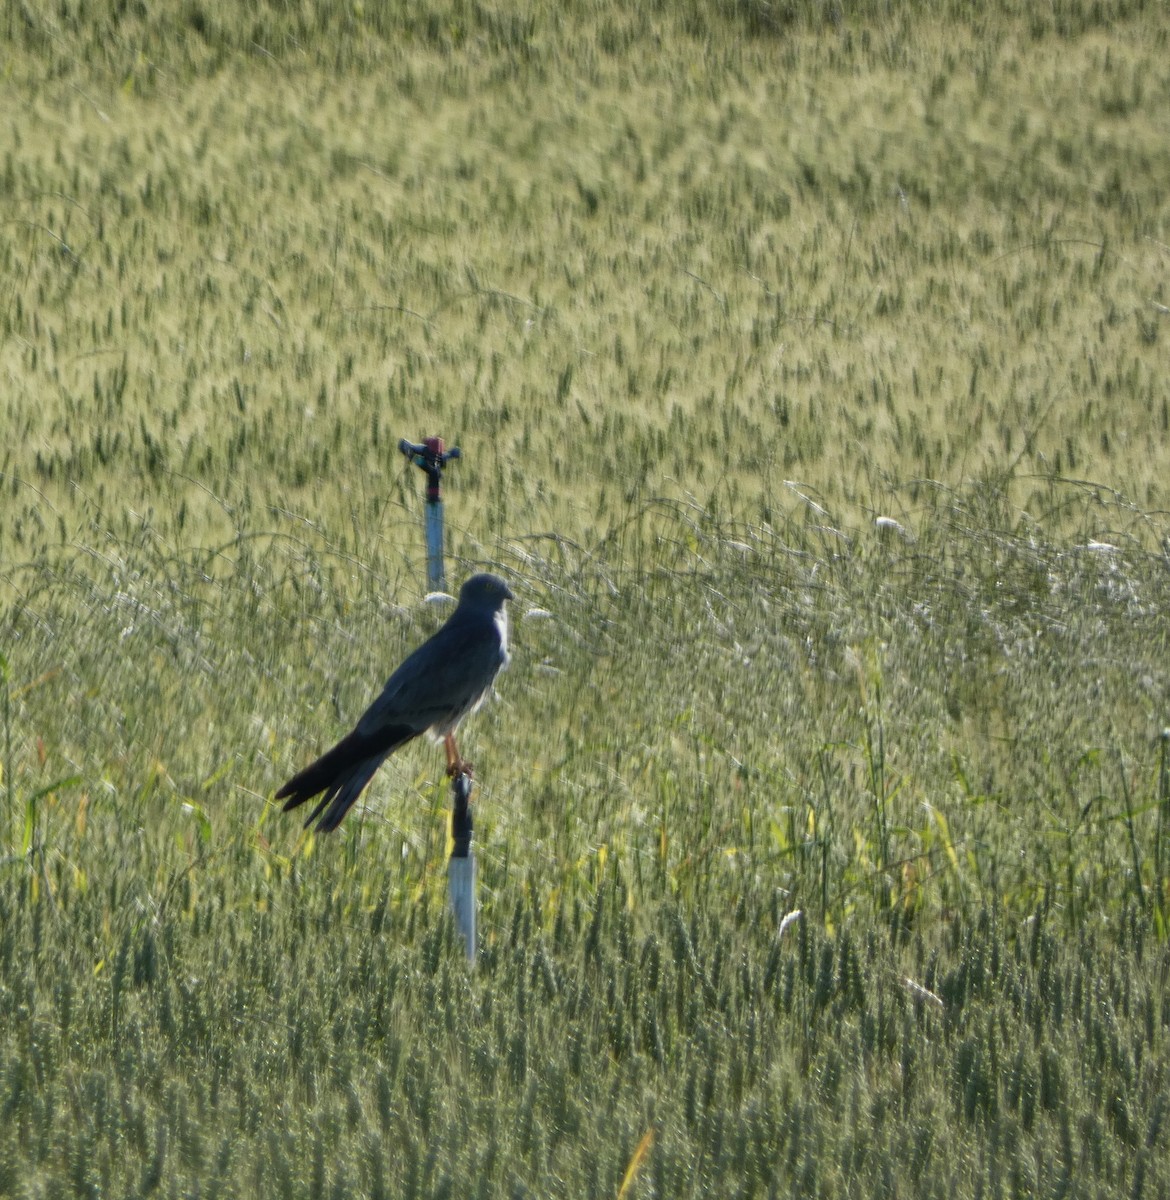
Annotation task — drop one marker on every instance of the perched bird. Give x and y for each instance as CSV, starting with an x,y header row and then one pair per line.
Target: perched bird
x,y
442,681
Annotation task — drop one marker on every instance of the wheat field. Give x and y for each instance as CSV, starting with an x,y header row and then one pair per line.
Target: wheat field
x,y
808,364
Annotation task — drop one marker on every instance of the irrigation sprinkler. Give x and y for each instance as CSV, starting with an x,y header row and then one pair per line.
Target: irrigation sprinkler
x,y
431,458
461,863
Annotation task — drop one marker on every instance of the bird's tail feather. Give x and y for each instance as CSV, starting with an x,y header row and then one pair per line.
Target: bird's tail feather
x,y
340,799
324,771
341,773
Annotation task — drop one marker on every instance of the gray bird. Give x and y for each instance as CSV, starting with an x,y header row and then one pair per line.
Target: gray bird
x,y
442,681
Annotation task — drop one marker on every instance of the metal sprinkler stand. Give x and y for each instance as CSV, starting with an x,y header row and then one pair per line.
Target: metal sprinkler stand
x,y
461,863
431,458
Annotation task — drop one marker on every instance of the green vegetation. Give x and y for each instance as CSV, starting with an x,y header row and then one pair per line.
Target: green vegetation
x,y
809,365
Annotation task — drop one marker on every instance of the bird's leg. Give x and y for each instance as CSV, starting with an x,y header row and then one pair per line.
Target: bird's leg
x,y
455,764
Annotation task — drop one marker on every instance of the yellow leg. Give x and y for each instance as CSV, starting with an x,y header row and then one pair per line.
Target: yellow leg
x,y
455,764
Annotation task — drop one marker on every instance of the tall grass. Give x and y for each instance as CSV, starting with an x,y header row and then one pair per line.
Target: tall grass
x,y
807,367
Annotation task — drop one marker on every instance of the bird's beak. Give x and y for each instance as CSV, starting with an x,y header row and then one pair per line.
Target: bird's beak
x,y
508,593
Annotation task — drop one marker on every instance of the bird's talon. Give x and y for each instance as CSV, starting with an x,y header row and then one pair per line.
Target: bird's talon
x,y
460,767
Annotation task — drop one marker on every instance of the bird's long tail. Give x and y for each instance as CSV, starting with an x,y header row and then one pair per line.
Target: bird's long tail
x,y
341,774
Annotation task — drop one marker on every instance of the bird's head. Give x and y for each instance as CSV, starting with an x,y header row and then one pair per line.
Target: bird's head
x,y
485,590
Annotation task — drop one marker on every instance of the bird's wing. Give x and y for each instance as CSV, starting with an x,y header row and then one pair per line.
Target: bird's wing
x,y
439,681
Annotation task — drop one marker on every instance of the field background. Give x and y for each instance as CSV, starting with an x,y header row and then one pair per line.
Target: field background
x,y
809,364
